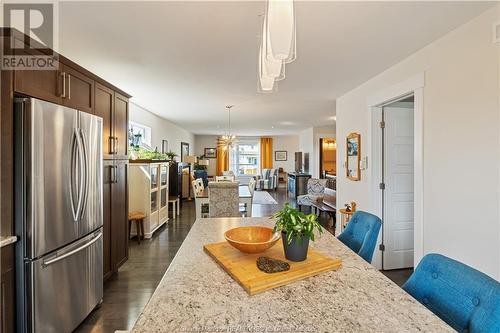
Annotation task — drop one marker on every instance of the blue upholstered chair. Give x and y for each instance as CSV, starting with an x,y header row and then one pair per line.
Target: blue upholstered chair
x,y
361,234
466,299
203,175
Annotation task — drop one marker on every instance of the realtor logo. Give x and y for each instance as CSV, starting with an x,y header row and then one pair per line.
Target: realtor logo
x,y
34,50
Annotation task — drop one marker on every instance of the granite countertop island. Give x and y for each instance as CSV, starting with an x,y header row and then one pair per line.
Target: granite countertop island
x,y
196,295
7,240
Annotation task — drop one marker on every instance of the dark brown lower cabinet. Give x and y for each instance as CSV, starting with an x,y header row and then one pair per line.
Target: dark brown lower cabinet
x,y
115,215
106,217
7,290
119,214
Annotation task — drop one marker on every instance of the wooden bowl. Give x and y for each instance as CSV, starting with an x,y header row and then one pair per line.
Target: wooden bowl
x,y
251,239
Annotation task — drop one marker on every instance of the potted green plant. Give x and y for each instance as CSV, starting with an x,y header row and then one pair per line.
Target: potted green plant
x,y
171,155
296,229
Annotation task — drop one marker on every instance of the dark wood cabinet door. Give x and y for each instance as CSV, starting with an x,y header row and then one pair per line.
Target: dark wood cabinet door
x,y
7,290
46,85
106,207
79,90
119,214
103,107
7,302
120,126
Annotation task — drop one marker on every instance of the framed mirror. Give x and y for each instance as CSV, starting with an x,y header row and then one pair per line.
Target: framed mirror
x,y
353,152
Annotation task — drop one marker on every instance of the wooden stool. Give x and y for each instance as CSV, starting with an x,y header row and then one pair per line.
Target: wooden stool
x,y
138,217
174,201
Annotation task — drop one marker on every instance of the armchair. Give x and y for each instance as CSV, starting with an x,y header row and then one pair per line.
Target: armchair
x,y
315,191
465,298
268,180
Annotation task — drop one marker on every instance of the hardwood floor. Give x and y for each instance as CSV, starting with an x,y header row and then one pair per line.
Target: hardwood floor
x,y
398,276
127,292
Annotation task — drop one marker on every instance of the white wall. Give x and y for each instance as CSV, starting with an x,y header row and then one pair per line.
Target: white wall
x,y
461,129
161,129
206,141
290,143
306,144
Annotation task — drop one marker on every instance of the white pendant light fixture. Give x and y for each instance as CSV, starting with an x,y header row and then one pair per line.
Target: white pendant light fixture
x,y
280,18
228,140
271,67
266,81
278,44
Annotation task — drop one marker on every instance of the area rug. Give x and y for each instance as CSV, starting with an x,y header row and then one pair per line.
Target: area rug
x,y
263,198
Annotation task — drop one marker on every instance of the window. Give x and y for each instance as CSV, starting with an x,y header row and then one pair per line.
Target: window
x,y
245,157
139,135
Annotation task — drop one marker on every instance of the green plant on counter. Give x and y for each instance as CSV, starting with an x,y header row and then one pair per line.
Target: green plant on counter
x,y
145,154
171,155
296,224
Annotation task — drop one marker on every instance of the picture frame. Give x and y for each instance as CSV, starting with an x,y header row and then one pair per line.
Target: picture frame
x,y
280,155
210,152
164,146
184,150
353,157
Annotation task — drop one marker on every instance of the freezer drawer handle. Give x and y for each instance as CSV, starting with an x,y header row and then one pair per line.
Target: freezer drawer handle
x,y
70,253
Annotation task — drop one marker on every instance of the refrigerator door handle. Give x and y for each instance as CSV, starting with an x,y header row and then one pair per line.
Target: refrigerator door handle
x,y
81,174
70,253
86,166
72,174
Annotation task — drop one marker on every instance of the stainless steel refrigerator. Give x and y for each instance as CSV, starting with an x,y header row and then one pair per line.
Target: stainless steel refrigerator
x,y
58,205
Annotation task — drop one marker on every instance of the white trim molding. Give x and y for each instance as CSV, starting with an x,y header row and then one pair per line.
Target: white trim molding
x,y
414,85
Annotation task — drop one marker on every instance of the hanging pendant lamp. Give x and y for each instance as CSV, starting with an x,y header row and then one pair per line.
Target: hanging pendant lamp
x,y
280,18
228,140
271,67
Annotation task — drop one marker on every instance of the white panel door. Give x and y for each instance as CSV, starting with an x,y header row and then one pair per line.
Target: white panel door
x,y
398,194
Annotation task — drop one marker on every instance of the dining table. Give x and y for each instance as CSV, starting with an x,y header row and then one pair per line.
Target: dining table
x,y
244,194
197,295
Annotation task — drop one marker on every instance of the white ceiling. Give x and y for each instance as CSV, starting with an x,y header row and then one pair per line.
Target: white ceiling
x,y
186,60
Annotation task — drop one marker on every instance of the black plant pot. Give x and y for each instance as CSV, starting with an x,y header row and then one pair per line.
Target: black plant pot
x,y
297,249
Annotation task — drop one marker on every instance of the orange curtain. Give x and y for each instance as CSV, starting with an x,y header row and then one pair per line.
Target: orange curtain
x,y
266,153
222,159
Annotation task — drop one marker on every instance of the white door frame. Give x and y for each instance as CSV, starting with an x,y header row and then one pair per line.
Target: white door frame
x,y
415,86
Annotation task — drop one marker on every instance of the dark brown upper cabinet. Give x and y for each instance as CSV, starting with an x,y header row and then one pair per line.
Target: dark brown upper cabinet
x,y
78,92
113,108
104,103
65,86
46,85
120,126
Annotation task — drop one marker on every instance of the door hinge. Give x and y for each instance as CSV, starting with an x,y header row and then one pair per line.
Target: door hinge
x,y
381,186
381,247
382,124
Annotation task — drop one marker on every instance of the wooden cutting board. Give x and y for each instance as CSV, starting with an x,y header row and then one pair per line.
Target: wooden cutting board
x,y
243,267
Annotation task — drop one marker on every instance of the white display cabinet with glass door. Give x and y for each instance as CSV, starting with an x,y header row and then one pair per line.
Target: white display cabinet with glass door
x,y
148,193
